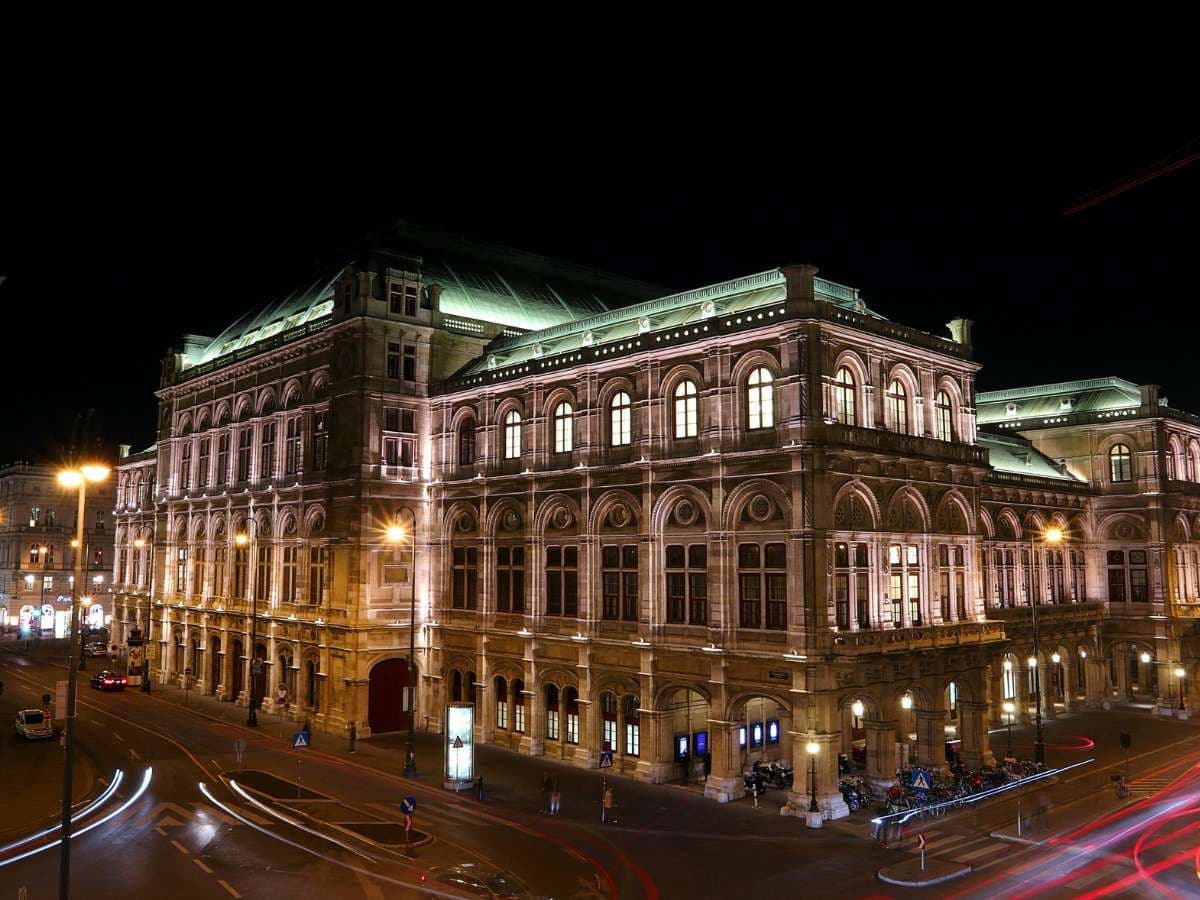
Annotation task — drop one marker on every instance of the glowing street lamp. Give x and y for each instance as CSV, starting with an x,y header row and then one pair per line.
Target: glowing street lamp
x,y
1179,673
73,479
1009,709
814,811
395,535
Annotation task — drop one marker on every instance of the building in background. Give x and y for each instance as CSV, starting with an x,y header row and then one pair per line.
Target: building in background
x,y
37,556
691,530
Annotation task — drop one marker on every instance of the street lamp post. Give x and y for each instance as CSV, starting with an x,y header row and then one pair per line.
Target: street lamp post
x,y
814,811
42,599
72,478
396,535
243,541
1049,536
139,543
1179,673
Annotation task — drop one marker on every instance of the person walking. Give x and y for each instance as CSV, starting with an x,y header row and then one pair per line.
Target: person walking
x,y
353,736
546,785
555,796
606,805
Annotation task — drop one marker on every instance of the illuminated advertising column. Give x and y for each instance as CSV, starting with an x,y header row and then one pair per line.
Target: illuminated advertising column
x,y
135,666
460,746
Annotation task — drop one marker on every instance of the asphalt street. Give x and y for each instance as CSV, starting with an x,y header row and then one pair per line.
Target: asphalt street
x,y
342,837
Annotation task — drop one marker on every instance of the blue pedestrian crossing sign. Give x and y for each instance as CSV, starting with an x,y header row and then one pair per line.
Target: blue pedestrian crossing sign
x,y
920,780
408,805
299,739
605,759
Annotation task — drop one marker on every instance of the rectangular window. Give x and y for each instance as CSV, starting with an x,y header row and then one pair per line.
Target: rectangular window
x,y
1139,589
291,459
1078,577
905,582
391,452
243,456
393,360
502,714
198,572
633,738
619,577
218,585
181,558
465,587
241,562
391,420
262,574
851,585
687,584
402,299
222,459
572,736
185,464
610,733
318,558
202,463
410,363
266,451
408,452
552,724
762,579
519,715
562,581
290,559
510,579
320,440
123,565
408,421
1116,577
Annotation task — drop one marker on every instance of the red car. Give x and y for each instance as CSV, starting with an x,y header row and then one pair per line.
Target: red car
x,y
109,681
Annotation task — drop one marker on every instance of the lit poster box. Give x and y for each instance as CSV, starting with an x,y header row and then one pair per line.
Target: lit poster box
x,y
460,746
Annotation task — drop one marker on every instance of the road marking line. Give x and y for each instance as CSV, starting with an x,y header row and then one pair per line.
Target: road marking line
x,y
960,842
160,831
182,849
134,753
95,722
203,867
982,851
118,737
229,887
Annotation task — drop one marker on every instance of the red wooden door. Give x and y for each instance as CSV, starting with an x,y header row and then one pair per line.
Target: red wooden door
x,y
386,696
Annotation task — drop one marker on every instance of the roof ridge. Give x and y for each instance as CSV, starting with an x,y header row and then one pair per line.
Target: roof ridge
x,y
1058,387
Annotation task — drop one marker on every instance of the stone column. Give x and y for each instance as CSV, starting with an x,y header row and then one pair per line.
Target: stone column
x,y
881,753
724,782
995,683
1122,666
975,749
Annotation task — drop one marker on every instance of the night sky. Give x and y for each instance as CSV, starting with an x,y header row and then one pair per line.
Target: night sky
x,y
137,208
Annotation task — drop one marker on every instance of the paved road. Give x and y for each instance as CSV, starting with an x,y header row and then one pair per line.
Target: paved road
x,y
667,841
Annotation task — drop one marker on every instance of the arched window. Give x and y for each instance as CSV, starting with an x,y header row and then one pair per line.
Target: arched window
x,y
760,399
686,418
843,397
466,443
552,712
622,419
897,402
564,428
518,702
571,702
501,702
942,410
512,435
608,721
633,726
1120,463
310,685
456,693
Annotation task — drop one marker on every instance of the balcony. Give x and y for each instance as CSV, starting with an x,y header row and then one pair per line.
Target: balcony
x,y
907,640
882,441
1050,615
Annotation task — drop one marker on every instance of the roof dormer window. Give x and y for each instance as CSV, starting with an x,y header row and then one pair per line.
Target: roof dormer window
x,y
1066,404
1010,410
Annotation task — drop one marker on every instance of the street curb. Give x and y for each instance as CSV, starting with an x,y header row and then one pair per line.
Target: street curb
x,y
1014,839
958,873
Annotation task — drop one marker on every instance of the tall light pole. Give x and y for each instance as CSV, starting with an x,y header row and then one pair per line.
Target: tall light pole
x,y
81,551
1179,673
1009,707
73,478
42,600
243,543
396,534
139,543
1052,536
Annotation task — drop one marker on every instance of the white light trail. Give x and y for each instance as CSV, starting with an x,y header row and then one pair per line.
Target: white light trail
x,y
108,792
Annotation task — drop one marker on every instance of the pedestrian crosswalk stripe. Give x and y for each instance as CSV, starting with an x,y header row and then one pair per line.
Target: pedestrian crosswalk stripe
x,y
982,851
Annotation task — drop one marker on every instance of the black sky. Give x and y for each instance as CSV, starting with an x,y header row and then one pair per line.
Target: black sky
x,y
136,208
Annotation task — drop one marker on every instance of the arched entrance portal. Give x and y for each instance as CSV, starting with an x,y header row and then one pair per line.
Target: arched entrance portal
x,y
214,678
389,696
239,670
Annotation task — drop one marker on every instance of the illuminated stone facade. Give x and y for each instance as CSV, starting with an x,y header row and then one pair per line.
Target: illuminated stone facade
x,y
726,521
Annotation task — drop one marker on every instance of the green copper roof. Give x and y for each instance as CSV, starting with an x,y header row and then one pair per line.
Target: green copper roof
x,y
672,311
1064,398
481,282
1007,453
